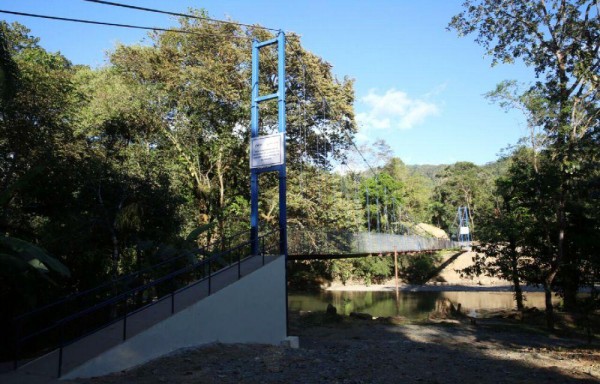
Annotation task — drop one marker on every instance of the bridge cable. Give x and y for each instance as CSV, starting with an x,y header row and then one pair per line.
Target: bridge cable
x,y
324,100
385,210
351,141
187,15
84,21
110,24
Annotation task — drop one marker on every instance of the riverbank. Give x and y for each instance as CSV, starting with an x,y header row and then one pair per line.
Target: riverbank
x,y
448,279
349,350
391,287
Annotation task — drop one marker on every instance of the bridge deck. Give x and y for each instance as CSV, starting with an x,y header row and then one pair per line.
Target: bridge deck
x,y
303,245
328,256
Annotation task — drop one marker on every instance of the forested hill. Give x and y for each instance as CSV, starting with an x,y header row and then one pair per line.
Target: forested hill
x,y
432,171
428,170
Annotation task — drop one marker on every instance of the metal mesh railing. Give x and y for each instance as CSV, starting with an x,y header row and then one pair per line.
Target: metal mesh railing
x,y
306,242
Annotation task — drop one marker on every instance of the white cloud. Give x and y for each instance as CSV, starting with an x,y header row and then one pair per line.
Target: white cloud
x,y
394,110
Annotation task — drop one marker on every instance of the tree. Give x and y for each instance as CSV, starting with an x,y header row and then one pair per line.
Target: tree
x,y
79,156
504,249
560,39
34,122
382,197
462,184
198,91
416,189
128,189
532,104
35,140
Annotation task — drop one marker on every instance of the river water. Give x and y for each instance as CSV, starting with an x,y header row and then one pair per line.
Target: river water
x,y
412,305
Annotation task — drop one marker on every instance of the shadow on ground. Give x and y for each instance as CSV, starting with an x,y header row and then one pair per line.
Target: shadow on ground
x,y
347,350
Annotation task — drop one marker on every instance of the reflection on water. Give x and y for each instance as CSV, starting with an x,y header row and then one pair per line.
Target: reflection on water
x,y
412,305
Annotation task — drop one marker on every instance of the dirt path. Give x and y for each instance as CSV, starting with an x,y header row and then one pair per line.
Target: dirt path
x,y
370,351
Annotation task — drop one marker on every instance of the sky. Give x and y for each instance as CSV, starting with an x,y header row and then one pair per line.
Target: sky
x,y
418,86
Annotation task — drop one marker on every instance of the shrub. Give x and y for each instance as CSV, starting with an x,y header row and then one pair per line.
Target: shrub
x,y
373,268
418,269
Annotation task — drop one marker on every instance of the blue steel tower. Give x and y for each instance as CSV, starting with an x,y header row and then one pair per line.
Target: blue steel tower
x,y
277,166
463,234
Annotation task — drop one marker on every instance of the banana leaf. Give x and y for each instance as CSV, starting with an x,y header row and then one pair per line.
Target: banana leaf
x,y
32,255
193,236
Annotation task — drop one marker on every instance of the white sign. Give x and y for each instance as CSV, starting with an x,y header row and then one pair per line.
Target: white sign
x,y
266,151
464,230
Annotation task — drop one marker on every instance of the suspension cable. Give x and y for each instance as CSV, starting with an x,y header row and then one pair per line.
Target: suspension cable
x,y
187,15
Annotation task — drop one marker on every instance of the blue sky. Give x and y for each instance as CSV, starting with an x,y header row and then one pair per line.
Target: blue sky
x,y
418,86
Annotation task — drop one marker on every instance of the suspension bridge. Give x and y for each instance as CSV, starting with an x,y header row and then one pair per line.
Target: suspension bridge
x,y
212,293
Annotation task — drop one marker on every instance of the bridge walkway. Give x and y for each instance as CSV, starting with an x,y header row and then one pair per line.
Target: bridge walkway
x,y
47,368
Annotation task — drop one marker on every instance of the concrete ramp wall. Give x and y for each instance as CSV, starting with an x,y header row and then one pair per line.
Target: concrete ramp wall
x,y
251,310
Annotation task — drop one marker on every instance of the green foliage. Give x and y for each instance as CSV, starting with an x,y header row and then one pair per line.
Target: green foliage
x,y
342,269
152,148
29,276
22,251
193,236
373,268
560,40
462,184
380,193
309,275
418,269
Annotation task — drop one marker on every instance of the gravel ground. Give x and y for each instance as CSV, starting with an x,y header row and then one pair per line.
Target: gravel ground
x,y
357,351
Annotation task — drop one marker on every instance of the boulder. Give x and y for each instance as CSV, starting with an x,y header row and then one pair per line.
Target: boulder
x,y
361,316
331,310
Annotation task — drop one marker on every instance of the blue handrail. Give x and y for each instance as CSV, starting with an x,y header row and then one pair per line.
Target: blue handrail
x,y
123,278
205,267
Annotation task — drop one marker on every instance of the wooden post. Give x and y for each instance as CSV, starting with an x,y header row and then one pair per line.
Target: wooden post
x,y
396,267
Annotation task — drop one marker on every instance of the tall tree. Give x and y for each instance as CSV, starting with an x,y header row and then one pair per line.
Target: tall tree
x,y
35,127
416,189
198,88
461,184
560,39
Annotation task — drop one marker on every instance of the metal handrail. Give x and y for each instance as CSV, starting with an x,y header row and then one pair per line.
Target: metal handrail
x,y
125,296
133,275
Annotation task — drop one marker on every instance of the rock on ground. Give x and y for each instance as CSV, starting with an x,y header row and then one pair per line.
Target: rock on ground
x,y
363,351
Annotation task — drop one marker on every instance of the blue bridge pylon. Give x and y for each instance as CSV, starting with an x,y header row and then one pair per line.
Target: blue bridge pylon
x,y
463,234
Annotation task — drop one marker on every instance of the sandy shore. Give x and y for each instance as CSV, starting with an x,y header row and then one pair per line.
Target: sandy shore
x,y
448,280
428,288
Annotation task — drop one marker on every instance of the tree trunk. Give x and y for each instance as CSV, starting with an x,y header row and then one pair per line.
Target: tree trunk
x,y
570,287
569,271
518,292
514,266
549,307
115,254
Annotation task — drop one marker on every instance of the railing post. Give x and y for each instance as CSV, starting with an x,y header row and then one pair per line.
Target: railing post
x,y
262,249
60,348
209,277
254,133
17,328
125,321
239,261
173,301
396,266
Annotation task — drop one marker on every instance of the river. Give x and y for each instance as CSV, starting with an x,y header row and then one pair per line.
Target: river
x,y
412,305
